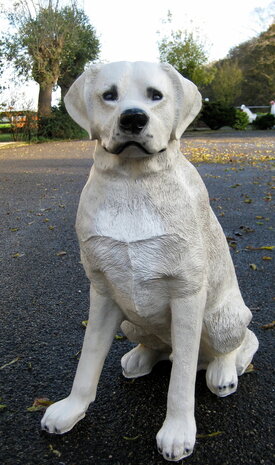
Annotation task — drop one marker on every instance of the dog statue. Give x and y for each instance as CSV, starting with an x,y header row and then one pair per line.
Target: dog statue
x,y
155,253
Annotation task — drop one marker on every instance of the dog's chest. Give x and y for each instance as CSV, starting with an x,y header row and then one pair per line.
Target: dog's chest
x,y
136,273
123,213
135,242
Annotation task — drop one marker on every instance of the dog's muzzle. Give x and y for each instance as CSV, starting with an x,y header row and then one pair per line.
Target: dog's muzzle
x,y
133,121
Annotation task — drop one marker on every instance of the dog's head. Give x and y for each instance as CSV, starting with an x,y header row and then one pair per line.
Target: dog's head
x,y
139,105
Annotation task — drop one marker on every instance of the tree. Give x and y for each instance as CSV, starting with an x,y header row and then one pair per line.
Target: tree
x,y
226,85
187,55
256,58
82,48
47,40
2,61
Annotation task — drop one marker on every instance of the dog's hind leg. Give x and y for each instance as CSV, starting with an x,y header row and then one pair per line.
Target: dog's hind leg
x,y
150,350
246,352
232,346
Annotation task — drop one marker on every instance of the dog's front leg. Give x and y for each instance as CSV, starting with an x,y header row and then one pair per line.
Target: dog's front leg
x,y
104,320
177,436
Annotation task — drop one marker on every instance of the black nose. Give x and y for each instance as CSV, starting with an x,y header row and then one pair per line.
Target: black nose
x,y
133,120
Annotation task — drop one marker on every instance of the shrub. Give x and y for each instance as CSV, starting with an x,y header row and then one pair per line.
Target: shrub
x,y
241,120
217,115
59,126
266,121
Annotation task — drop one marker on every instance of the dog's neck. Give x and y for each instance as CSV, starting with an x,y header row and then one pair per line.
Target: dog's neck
x,y
110,163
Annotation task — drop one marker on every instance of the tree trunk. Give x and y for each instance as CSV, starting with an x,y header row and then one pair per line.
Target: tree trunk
x,y
45,100
65,85
64,90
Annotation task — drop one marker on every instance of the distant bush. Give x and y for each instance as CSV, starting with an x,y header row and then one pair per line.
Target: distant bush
x,y
216,115
266,121
241,120
21,125
59,126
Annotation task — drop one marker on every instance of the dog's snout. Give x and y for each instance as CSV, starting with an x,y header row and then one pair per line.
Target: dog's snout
x,y
133,120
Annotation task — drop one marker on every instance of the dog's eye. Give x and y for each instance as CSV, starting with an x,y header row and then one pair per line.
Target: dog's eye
x,y
154,94
111,94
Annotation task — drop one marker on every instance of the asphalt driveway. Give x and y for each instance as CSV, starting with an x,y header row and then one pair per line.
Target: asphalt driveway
x,y
44,299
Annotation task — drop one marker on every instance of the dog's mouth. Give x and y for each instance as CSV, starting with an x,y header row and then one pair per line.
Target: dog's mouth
x,y
119,149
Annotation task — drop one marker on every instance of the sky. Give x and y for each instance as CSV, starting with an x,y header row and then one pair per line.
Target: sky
x,y
128,30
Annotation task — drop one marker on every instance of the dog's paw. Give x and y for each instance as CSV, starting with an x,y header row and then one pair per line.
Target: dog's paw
x,y
139,361
176,439
61,417
221,375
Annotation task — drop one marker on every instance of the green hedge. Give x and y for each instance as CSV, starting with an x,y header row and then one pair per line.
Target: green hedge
x,y
59,126
266,121
216,115
241,120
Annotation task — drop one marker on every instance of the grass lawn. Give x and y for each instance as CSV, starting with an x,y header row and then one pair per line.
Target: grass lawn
x,y
6,138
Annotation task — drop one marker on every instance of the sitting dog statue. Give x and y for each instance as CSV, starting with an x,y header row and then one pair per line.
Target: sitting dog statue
x,y
153,250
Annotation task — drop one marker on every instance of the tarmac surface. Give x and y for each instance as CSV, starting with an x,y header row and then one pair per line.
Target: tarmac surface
x,y
45,299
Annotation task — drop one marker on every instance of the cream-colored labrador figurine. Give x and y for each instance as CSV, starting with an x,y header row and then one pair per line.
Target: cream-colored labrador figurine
x,y
155,254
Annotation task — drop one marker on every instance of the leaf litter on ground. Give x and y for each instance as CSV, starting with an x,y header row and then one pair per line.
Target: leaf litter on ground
x,y
209,435
40,404
10,363
269,325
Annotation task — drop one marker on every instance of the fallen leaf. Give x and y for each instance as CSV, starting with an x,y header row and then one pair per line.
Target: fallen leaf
x,y
2,406
266,257
18,255
253,266
40,404
209,435
51,228
232,242
9,363
84,323
264,247
131,439
118,337
250,368
246,229
77,354
55,451
61,253
14,229
269,325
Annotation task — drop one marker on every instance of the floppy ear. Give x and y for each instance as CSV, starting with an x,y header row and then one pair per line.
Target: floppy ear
x,y
187,101
78,99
